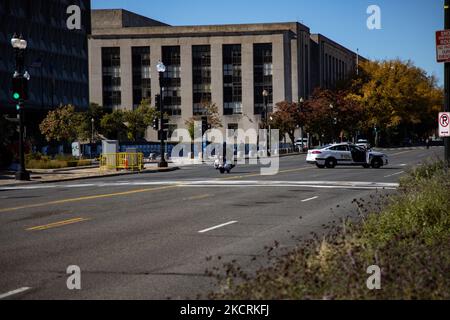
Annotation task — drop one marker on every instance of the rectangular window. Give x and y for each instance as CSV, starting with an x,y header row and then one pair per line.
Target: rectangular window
x,y
201,78
330,72
112,95
142,82
263,72
232,79
172,80
306,66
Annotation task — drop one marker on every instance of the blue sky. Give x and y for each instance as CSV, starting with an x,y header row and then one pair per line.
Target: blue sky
x,y
408,26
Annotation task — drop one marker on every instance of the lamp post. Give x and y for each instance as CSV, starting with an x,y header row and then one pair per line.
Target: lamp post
x,y
161,68
301,127
270,136
92,135
20,77
333,122
265,94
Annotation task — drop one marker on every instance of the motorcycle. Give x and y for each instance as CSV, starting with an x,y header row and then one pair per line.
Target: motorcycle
x,y
223,166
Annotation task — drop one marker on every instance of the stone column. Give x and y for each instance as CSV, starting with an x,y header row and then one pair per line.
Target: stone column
x,y
126,75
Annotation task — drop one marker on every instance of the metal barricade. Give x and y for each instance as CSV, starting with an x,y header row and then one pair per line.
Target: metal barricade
x,y
122,161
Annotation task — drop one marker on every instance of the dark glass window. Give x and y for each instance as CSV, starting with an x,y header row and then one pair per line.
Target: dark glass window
x,y
306,70
142,82
172,80
330,71
263,71
201,78
232,79
112,96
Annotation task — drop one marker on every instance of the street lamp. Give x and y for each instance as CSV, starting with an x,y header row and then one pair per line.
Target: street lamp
x,y
333,122
92,135
161,68
301,101
19,77
265,94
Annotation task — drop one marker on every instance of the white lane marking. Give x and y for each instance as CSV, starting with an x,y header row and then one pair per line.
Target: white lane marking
x,y
228,183
217,227
310,199
395,174
11,293
403,165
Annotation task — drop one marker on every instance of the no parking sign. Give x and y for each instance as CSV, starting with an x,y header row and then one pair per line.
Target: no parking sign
x,y
444,124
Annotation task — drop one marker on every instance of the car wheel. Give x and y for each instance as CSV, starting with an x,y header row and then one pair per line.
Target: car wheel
x,y
330,163
377,163
320,166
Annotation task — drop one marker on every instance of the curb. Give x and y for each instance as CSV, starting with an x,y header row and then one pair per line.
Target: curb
x,y
160,170
42,171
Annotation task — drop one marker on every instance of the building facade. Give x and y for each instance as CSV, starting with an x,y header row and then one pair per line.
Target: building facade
x,y
56,57
331,62
228,65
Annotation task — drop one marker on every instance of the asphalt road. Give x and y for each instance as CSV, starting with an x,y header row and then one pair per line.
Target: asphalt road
x,y
149,236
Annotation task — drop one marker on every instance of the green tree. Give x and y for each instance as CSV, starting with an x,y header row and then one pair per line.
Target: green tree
x,y
397,95
95,112
112,125
61,124
138,120
214,119
331,114
287,118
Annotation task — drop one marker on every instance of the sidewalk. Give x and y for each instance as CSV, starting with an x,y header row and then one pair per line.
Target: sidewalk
x,y
71,174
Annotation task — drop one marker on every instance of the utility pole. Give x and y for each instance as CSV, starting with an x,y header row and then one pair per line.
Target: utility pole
x,y
447,81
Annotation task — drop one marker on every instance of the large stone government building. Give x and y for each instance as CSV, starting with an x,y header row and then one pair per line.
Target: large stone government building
x,y
229,65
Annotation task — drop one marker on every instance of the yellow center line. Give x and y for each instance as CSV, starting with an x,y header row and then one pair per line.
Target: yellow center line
x,y
200,197
57,224
100,196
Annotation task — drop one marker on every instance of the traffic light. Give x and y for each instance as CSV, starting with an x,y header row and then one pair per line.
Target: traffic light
x,y
158,102
19,88
165,125
155,124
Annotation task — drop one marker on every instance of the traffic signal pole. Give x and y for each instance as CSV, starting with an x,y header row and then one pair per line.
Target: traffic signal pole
x,y
447,81
22,174
162,163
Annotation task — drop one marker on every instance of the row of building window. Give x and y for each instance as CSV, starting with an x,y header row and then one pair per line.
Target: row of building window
x,y
201,77
334,70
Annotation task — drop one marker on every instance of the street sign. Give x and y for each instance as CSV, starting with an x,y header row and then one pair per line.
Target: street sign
x,y
443,46
444,124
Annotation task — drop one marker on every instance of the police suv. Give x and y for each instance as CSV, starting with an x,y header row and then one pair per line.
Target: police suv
x,y
346,155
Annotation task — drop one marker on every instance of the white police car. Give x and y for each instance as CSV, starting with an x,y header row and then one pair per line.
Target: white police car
x,y
346,155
